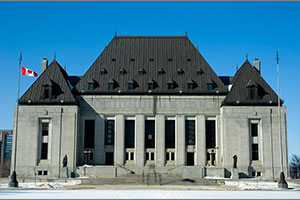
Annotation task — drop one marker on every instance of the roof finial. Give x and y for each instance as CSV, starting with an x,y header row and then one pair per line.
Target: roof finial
x,y
237,67
116,33
277,57
185,33
54,55
246,56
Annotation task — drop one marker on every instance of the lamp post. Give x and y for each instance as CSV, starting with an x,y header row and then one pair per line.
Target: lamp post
x,y
282,182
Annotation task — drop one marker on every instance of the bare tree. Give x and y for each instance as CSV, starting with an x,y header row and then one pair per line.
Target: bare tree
x,y
295,166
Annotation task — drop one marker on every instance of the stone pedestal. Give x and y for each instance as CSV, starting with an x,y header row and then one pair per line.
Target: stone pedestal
x,y
234,174
64,172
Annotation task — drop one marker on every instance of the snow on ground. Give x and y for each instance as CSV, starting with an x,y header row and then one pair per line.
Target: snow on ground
x,y
146,194
44,185
259,185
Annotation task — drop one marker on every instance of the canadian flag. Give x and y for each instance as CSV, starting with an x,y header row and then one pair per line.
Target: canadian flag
x,y
28,72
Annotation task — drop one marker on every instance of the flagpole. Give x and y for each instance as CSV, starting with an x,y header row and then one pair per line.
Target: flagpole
x,y
282,183
13,178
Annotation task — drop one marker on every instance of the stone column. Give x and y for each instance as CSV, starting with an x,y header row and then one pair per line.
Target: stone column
x,y
200,141
180,140
119,139
99,140
139,140
160,140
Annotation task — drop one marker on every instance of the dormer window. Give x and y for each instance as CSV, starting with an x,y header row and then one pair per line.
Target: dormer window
x,y
132,59
91,84
199,71
122,71
151,60
103,71
170,60
190,84
113,59
209,86
161,71
131,84
47,93
180,71
252,90
189,60
111,84
141,71
150,84
171,84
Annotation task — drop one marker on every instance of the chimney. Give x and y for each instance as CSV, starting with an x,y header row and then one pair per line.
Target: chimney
x,y
44,64
256,64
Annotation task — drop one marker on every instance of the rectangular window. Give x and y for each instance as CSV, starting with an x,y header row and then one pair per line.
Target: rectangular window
x,y
189,132
170,134
45,129
129,133
190,159
89,133
109,158
254,151
109,132
254,130
150,134
210,126
44,154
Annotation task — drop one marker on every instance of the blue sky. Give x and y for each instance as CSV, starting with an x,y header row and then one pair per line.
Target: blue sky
x,y
223,31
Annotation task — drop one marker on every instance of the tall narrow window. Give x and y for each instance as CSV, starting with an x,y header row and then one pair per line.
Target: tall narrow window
x,y
254,134
189,132
170,134
109,132
89,133
254,130
129,133
44,153
43,138
254,151
45,129
150,134
210,127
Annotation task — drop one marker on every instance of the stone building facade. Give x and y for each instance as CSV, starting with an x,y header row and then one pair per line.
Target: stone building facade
x,y
150,103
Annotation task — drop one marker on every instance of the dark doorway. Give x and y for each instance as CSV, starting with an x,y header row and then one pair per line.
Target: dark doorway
x,y
109,158
190,159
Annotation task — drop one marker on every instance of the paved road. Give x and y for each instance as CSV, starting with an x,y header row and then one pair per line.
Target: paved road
x,y
146,194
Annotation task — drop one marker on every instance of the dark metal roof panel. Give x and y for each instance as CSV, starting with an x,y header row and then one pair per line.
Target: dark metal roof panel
x,y
239,90
59,79
142,49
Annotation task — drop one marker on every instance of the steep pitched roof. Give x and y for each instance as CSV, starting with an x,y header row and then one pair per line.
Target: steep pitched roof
x,y
151,54
247,77
55,77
